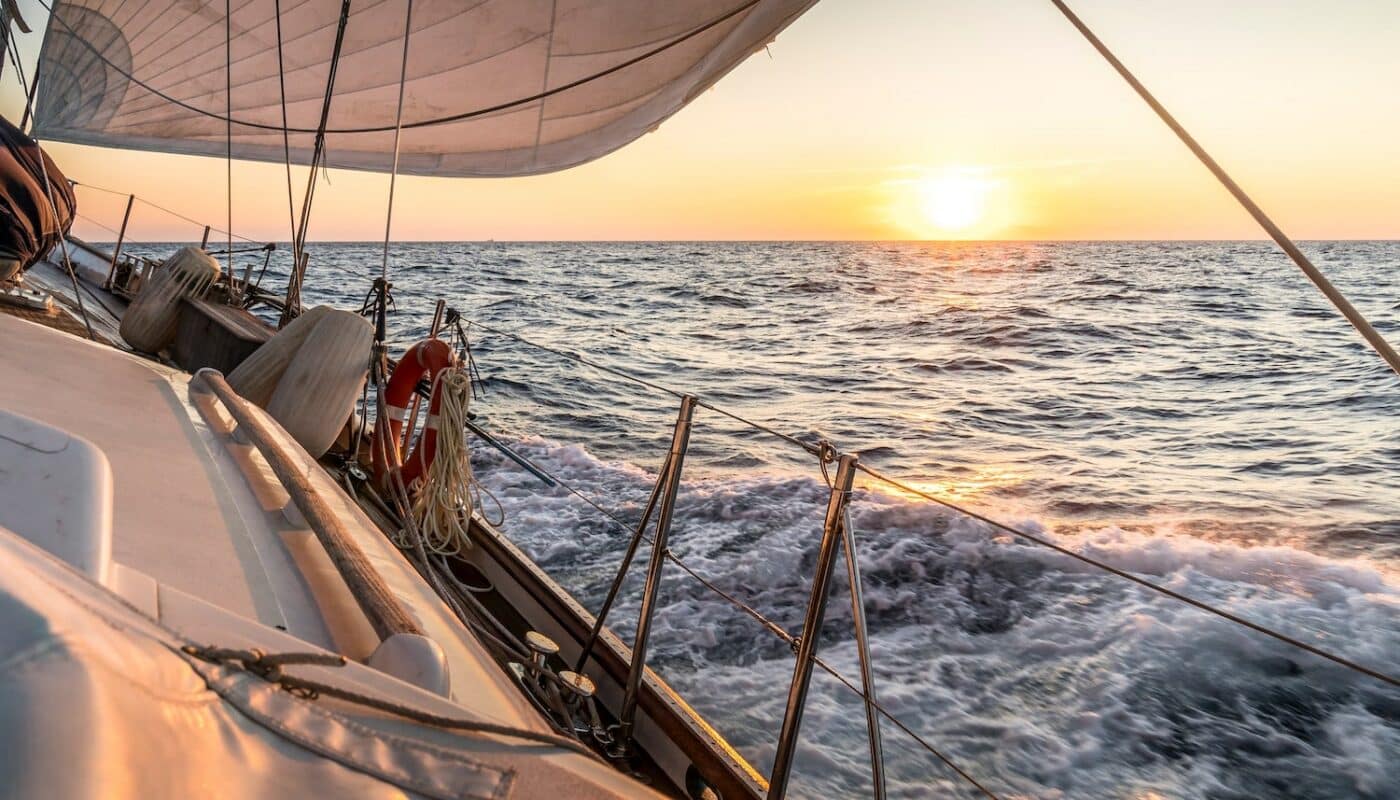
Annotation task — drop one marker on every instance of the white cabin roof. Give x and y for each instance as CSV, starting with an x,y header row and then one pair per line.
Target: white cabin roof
x,y
199,540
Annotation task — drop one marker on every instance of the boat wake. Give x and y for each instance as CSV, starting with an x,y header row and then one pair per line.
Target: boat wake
x,y
1039,675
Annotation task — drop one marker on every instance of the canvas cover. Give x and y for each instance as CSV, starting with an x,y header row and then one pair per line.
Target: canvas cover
x,y
30,225
152,75
98,701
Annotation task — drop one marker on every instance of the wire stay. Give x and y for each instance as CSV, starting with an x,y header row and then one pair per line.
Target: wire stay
x,y
1030,537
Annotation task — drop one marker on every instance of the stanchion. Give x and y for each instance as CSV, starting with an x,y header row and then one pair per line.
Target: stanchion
x,y
680,440
812,628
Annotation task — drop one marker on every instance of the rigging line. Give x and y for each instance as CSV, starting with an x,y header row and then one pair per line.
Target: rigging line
x,y
31,93
14,58
102,189
988,520
286,137
174,213
1357,320
398,132
269,668
105,227
228,135
773,628
4,35
1109,568
241,250
781,633
792,440
48,192
171,212
317,156
580,359
899,724
318,150
459,117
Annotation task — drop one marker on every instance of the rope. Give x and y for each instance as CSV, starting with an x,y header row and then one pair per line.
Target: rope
x,y
773,627
480,112
811,449
875,704
14,59
105,227
1112,570
501,637
32,93
169,211
1357,320
449,492
824,448
776,630
398,132
228,136
398,494
824,451
286,139
242,250
269,667
318,152
114,313
48,193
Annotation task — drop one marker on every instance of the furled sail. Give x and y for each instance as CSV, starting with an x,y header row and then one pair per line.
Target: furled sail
x,y
493,87
36,201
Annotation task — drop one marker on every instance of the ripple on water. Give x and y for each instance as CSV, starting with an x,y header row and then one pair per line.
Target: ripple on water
x,y
1190,411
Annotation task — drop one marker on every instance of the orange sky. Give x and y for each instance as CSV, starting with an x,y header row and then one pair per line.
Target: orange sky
x,y
906,119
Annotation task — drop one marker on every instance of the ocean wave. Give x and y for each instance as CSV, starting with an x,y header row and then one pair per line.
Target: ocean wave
x,y
1195,395
1040,674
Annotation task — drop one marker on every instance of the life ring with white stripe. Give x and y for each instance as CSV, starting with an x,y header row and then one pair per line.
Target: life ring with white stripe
x,y
424,360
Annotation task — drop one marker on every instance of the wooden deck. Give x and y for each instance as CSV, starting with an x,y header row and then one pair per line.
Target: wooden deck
x,y
53,318
101,308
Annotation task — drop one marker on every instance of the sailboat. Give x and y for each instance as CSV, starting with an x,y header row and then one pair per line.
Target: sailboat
x,y
245,554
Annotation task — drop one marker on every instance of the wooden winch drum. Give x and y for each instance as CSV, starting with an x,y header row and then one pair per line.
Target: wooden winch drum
x,y
151,321
317,392
256,378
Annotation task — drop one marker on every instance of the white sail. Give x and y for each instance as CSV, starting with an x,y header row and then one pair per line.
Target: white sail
x,y
494,87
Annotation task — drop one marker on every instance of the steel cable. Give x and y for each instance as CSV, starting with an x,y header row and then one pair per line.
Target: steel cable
x,y
876,474
777,631
159,207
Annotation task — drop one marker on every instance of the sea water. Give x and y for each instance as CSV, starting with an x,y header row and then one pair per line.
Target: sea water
x,y
1194,413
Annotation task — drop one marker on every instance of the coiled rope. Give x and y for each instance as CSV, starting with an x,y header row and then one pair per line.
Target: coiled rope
x,y
449,491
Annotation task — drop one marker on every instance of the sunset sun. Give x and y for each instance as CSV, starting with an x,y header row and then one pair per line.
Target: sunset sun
x,y
939,293
952,202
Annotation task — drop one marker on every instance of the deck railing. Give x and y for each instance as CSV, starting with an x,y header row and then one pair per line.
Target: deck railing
x,y
123,275
837,533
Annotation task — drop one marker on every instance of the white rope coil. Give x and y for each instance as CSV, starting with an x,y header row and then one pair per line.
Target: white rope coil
x,y
448,492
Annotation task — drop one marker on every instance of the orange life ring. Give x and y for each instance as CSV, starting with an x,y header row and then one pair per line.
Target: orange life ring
x,y
425,359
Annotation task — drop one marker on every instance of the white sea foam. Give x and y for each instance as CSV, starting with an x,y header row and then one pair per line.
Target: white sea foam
x,y
1034,671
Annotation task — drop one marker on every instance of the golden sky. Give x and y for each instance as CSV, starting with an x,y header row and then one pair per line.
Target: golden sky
x,y
913,119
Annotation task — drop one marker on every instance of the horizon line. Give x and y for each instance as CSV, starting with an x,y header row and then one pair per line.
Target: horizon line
x,y
380,242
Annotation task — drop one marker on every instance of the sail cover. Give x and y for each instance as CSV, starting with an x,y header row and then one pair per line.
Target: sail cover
x,y
493,87
36,201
